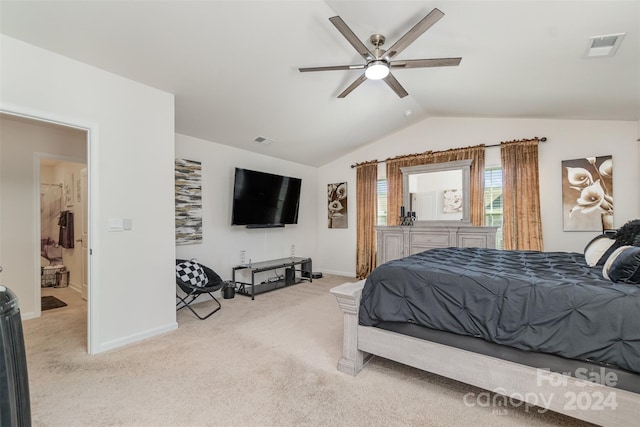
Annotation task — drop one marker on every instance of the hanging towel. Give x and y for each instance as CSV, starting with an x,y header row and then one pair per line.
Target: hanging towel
x,y
66,229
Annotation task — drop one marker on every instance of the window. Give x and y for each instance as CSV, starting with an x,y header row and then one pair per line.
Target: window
x,y
382,202
493,201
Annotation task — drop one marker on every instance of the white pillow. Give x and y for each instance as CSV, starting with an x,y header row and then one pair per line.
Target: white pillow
x,y
596,248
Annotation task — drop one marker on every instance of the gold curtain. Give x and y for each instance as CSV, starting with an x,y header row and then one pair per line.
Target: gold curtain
x,y
521,221
476,192
367,211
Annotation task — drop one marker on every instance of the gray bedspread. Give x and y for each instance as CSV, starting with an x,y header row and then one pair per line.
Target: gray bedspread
x,y
550,302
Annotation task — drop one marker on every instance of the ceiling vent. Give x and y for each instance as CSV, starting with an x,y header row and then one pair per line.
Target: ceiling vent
x,y
262,140
600,46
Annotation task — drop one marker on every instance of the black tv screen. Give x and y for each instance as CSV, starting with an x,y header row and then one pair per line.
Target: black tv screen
x,y
263,199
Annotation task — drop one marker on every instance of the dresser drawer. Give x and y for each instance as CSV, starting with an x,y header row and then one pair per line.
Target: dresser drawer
x,y
430,240
396,242
474,240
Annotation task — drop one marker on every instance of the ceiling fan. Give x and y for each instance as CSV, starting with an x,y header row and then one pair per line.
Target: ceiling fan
x,y
379,62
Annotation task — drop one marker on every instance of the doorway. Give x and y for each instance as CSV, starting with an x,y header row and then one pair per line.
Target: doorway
x,y
63,228
19,266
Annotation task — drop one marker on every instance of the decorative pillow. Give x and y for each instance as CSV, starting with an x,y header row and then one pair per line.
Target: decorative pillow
x,y
626,266
192,273
627,234
599,249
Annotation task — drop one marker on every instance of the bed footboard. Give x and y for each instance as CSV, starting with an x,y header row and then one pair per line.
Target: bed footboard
x,y
348,296
567,395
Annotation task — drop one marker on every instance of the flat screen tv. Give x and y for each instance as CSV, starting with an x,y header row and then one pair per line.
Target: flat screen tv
x,y
262,200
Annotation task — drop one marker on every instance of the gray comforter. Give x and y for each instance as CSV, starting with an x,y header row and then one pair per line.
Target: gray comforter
x,y
549,302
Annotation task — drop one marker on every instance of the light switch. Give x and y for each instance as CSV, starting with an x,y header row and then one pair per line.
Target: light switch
x,y
128,224
115,224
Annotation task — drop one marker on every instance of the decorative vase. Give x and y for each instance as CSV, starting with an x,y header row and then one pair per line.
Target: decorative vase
x,y
607,221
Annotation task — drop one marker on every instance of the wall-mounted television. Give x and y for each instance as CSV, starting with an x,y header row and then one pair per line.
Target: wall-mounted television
x,y
262,200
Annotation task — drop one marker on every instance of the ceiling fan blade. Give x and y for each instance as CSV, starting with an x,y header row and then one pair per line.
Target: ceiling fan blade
x,y
332,68
396,86
351,38
411,35
424,63
352,86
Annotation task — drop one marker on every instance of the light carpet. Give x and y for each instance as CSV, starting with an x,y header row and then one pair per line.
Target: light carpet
x,y
267,362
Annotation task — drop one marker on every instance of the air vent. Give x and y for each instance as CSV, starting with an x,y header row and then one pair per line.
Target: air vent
x,y
262,140
600,46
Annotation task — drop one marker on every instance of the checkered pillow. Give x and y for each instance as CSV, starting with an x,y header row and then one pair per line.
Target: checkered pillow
x,y
192,273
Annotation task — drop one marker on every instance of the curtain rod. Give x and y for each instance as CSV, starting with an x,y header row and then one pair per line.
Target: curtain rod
x,y
543,139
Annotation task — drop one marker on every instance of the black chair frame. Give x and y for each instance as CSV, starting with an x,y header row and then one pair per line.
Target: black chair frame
x,y
193,292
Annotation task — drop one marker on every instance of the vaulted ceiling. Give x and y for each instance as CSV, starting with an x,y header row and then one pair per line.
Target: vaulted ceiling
x,y
233,65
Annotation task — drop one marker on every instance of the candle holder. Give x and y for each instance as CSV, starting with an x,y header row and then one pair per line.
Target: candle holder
x,y
408,219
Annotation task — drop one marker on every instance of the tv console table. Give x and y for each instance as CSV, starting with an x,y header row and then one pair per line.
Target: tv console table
x,y
289,264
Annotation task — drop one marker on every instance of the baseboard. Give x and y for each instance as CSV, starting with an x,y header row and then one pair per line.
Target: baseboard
x,y
335,272
120,342
75,287
27,316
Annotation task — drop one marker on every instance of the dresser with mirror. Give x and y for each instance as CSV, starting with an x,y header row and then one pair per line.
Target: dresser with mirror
x,y
436,197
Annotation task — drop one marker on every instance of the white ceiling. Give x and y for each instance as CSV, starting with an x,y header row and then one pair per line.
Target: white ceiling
x,y
232,65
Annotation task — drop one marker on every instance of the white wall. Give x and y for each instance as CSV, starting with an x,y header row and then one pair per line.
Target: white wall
x,y
222,243
131,175
567,139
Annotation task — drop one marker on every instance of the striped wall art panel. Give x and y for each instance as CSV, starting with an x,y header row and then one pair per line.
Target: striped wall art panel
x,y
188,202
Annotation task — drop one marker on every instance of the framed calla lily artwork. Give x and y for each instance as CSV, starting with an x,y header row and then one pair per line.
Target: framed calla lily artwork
x,y
337,205
587,194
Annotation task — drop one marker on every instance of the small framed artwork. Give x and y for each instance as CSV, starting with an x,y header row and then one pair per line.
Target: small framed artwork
x,y
452,201
337,205
587,194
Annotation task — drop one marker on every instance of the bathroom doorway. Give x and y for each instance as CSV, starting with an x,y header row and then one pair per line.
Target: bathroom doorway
x,y
63,228
26,141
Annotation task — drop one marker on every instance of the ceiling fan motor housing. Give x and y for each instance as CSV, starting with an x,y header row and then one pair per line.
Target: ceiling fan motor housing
x,y
377,40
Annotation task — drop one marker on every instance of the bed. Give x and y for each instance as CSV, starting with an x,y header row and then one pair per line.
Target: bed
x,y
557,330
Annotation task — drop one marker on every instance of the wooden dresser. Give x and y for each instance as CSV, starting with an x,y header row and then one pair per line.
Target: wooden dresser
x,y
400,241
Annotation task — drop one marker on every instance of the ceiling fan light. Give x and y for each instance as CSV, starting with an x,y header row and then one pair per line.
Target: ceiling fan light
x,y
377,70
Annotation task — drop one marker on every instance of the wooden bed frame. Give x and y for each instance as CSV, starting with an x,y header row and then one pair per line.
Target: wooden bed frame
x,y
577,398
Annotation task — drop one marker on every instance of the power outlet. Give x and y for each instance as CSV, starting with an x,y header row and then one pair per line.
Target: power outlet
x,y
242,256
293,251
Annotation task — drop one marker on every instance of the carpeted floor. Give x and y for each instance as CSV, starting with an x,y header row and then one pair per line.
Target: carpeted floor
x,y
268,362
50,302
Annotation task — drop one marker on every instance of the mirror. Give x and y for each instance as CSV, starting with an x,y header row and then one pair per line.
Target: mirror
x,y
437,192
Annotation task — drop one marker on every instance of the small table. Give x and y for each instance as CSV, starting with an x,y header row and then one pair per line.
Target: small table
x,y
289,278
